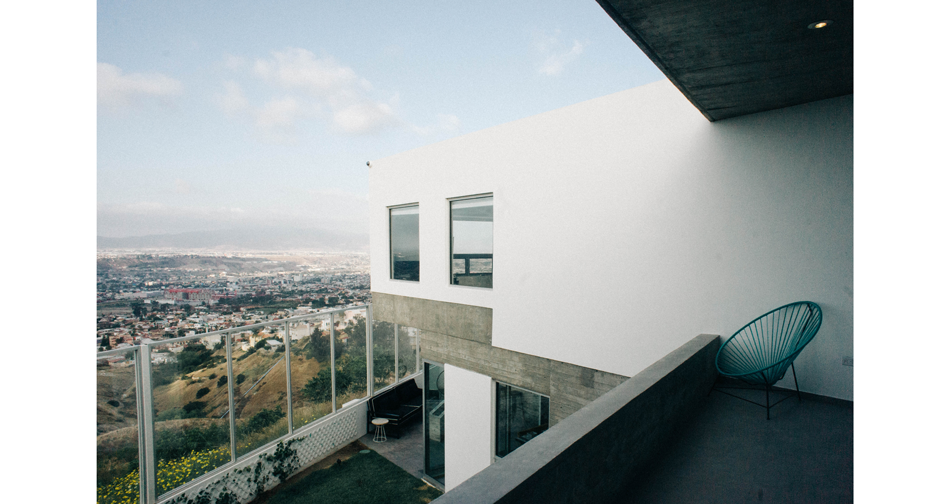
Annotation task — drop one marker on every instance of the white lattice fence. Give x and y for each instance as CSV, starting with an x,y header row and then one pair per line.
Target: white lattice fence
x,y
248,477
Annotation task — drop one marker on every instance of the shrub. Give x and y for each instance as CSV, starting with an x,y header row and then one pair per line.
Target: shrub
x,y
240,379
171,414
223,380
263,419
113,402
212,376
194,409
202,392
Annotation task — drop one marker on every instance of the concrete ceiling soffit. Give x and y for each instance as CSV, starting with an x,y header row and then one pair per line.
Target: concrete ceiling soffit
x,y
738,57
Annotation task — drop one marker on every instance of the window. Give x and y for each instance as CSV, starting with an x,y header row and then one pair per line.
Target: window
x,y
520,415
434,421
471,241
404,243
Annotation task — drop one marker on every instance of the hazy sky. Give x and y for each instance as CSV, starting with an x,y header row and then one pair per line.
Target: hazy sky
x,y
215,115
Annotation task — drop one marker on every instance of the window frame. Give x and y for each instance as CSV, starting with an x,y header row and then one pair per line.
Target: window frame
x,y
392,266
451,237
494,412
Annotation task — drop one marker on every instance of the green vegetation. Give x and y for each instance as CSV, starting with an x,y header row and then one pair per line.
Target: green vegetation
x,y
364,477
263,419
203,391
246,355
221,381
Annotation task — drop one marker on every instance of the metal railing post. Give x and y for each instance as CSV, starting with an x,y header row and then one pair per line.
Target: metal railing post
x,y
369,351
148,419
290,400
229,349
333,363
141,420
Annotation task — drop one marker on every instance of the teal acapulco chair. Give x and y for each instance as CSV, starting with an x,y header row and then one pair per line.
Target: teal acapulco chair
x,y
761,352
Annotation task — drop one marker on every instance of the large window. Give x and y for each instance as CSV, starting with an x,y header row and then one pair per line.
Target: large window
x,y
471,241
520,415
404,243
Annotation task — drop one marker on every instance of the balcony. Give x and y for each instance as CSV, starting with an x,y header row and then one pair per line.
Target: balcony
x,y
662,436
231,413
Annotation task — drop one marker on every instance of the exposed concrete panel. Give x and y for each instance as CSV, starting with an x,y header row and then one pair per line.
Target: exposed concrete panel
x,y
460,335
472,323
597,452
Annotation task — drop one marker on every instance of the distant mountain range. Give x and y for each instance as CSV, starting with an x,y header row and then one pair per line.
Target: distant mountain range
x,y
264,239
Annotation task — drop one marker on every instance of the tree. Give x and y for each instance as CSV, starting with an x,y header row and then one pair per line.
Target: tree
x,y
319,346
356,330
223,380
318,388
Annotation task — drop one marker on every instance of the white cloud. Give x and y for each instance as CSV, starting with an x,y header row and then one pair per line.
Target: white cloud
x,y
366,117
233,99
117,91
303,86
277,119
555,53
301,69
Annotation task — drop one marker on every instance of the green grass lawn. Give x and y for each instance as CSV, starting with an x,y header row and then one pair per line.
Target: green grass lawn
x,y
360,479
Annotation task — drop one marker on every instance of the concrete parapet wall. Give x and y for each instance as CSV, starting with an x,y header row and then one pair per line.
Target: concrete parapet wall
x,y
593,454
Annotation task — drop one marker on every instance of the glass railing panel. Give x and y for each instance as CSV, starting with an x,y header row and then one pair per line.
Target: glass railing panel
x,y
384,354
310,370
408,338
351,360
260,387
192,434
117,434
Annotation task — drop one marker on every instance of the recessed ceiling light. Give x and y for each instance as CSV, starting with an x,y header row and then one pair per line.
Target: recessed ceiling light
x,y
819,24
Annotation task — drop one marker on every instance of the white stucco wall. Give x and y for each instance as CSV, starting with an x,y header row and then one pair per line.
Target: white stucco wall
x,y
468,424
628,224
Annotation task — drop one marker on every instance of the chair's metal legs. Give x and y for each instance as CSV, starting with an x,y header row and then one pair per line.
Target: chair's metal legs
x,y
796,383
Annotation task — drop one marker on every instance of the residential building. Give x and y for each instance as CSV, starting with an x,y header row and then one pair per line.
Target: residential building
x,y
544,261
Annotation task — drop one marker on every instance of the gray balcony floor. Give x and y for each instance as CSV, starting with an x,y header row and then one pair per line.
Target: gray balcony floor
x,y
729,453
406,452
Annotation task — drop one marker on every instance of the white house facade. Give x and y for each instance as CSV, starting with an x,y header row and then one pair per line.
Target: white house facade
x,y
592,240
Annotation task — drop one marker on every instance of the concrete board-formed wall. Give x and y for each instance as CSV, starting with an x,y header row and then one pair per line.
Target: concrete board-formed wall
x,y
626,224
468,424
461,335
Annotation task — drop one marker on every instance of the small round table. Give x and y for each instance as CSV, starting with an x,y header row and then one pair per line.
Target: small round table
x,y
380,435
